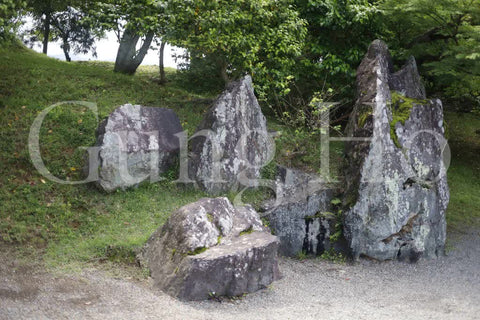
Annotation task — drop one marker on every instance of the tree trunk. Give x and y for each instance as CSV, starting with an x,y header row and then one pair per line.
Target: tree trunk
x,y
223,71
46,31
128,59
66,50
161,65
222,66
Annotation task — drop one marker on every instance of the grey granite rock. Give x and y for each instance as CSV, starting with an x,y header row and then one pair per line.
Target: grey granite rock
x,y
136,143
301,215
396,186
210,247
238,143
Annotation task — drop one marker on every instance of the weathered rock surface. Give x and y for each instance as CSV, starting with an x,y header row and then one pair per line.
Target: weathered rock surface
x,y
237,143
211,247
302,216
396,182
136,143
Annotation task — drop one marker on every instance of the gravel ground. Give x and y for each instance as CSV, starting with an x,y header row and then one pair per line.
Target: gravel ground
x,y
446,288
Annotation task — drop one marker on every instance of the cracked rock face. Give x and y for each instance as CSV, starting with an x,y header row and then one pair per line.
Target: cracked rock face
x,y
237,142
302,217
396,183
136,143
211,247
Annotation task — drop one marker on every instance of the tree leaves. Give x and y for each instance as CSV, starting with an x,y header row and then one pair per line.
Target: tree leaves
x,y
258,37
444,36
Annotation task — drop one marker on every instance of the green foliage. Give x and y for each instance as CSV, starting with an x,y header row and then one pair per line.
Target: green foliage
x,y
269,171
142,16
256,196
298,144
258,37
336,201
200,74
338,234
64,21
302,255
339,32
265,222
9,10
444,36
319,215
364,115
333,256
76,31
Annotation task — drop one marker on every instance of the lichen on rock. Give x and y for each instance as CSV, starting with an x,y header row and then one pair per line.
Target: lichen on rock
x,y
136,143
396,186
231,143
211,246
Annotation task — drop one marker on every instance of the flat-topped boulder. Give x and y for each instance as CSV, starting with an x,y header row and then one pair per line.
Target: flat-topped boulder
x,y
210,247
136,143
396,184
232,143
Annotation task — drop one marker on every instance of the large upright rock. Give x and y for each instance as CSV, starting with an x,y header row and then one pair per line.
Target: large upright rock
x,y
210,248
237,142
396,182
136,143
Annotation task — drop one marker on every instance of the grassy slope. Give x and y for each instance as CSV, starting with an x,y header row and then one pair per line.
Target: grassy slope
x,y
78,223
83,220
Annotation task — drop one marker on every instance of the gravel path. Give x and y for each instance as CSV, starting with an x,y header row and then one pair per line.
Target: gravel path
x,y
447,288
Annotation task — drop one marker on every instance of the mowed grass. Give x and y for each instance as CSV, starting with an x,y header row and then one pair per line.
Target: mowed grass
x,y
77,223
74,225
464,172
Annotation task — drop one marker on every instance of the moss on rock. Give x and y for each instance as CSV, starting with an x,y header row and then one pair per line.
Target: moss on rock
x,y
247,231
401,107
197,251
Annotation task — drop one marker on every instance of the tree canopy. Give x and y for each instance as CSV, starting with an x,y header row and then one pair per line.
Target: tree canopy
x,y
294,49
259,37
444,36
9,10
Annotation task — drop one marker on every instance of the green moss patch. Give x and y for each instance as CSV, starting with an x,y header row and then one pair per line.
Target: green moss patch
x,y
197,251
401,109
247,231
210,217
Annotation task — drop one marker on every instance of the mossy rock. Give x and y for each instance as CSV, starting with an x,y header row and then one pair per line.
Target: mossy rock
x,y
401,107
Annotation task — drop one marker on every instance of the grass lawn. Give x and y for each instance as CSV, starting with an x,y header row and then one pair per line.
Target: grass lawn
x,y
464,172
77,225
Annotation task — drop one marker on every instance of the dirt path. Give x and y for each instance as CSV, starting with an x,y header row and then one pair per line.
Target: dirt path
x,y
447,288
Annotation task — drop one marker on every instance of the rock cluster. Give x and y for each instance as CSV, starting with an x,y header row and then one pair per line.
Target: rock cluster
x,y
227,151
396,180
210,247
